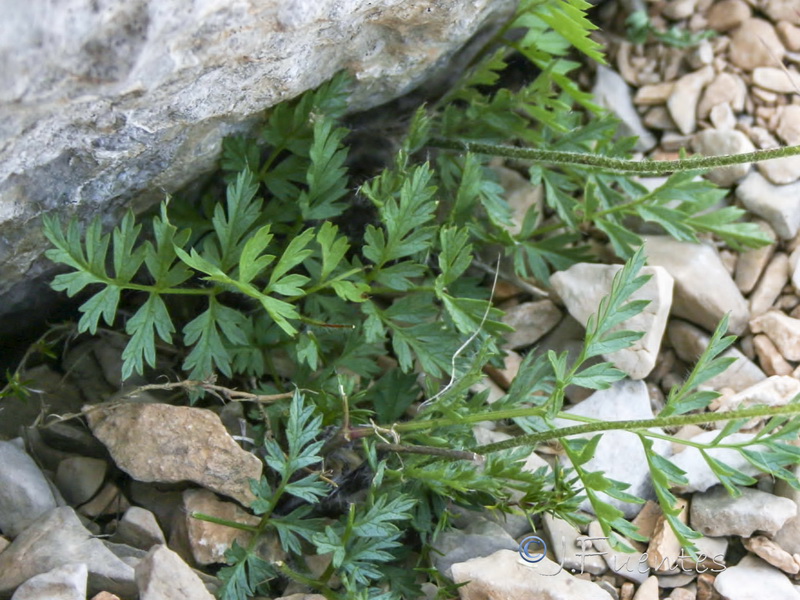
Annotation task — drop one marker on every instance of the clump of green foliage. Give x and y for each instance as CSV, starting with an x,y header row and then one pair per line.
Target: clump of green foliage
x,y
373,323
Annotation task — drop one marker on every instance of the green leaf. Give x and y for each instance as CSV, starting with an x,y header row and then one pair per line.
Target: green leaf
x,y
327,177
597,377
151,317
206,332
104,304
251,262
333,246
232,224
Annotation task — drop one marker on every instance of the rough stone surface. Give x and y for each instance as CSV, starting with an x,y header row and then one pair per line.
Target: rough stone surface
x,y
717,513
25,494
480,538
776,275
619,454
58,539
610,91
162,575
62,583
755,44
753,261
168,444
583,285
138,527
724,88
704,290
113,107
777,204
728,14
683,101
753,579
530,320
689,343
631,566
699,474
574,555
79,477
505,576
767,550
209,541
714,142
776,79
783,330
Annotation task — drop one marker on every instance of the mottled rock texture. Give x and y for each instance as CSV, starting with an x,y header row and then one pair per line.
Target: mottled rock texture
x,y
110,104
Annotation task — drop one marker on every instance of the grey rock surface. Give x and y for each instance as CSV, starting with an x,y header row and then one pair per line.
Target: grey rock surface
x,y
610,91
162,575
699,474
108,106
480,538
58,539
717,513
62,583
25,494
776,204
754,579
139,528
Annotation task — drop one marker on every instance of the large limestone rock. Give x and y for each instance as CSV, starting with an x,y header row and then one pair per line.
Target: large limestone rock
x,y
113,104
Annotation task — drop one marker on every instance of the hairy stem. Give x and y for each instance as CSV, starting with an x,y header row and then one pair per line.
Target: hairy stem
x,y
607,163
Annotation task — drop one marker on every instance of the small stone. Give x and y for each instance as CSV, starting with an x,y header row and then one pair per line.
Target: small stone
x,y
206,541
626,591
481,538
521,196
530,320
777,204
788,537
486,384
505,576
722,117
162,575
753,579
648,590
755,44
782,10
679,9
79,477
753,261
689,343
717,513
664,549
59,539
788,128
632,566
67,582
702,54
771,284
728,14
138,528
769,358
610,91
583,285
699,475
568,551
105,596
781,171
777,390
25,493
704,290
159,442
658,118
715,142
783,330
774,79
619,454
683,101
682,594
725,87
770,552
109,501
657,93
790,35
511,364
647,518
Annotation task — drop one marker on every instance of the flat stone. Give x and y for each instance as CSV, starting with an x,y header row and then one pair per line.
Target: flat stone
x,y
777,80
724,88
574,556
728,14
67,582
610,91
755,44
704,290
715,142
775,277
788,128
531,321
777,204
770,552
109,501
583,285
783,330
685,96
753,261
769,357
689,343
162,575
789,34
138,527
58,539
648,590
207,541
664,549
619,454
481,538
781,171
699,475
754,579
168,444
653,94
782,10
25,494
717,513
722,117
79,478
505,576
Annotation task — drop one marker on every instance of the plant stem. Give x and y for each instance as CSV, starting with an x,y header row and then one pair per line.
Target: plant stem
x,y
644,167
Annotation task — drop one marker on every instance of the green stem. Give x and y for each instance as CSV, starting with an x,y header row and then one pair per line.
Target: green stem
x,y
225,522
607,163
